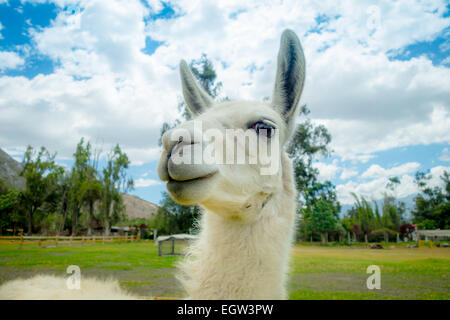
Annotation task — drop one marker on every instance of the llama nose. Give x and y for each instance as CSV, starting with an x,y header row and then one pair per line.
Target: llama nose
x,y
174,139
182,158
180,142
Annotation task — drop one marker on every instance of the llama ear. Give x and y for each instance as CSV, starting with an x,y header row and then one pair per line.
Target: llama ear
x,y
290,77
195,97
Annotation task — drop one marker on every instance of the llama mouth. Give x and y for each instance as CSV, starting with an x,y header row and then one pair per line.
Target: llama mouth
x,y
209,175
192,191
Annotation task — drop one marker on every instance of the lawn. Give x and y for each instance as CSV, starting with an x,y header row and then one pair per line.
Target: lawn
x,y
316,272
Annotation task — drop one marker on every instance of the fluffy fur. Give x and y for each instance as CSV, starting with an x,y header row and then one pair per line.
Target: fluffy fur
x,y
235,259
45,287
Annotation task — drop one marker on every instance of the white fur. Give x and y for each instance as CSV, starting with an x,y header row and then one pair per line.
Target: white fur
x,y
237,259
45,287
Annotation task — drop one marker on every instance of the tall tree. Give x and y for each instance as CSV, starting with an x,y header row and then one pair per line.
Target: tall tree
x,y
308,143
41,174
78,178
432,204
115,180
321,218
10,215
91,193
63,205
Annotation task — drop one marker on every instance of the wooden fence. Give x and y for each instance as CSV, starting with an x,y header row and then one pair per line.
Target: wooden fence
x,y
40,240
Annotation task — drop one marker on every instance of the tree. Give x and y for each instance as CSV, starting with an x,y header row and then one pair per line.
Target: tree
x,y
9,209
175,218
432,206
307,143
203,70
63,204
368,219
78,179
321,218
41,175
91,190
115,180
4,187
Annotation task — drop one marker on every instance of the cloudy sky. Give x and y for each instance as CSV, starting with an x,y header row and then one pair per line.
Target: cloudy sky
x,y
378,77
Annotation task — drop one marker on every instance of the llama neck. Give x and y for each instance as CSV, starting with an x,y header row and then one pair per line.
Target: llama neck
x,y
243,260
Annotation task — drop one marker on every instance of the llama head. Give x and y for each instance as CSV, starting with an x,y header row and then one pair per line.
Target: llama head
x,y
229,157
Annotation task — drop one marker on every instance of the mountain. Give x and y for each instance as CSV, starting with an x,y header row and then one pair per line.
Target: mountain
x,y
10,170
137,208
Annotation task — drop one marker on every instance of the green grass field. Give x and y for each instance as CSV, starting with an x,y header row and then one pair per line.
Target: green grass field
x,y
316,272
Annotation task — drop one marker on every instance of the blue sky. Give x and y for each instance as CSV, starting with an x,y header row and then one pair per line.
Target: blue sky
x,y
107,71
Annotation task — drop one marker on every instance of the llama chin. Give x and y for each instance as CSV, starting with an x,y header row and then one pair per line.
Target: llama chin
x,y
248,218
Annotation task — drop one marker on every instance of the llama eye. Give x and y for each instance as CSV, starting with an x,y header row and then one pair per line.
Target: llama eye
x,y
266,128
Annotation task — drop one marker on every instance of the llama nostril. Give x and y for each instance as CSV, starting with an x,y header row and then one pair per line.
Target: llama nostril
x,y
178,148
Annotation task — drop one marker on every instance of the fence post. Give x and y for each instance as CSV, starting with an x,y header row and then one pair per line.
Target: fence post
x,y
56,240
21,240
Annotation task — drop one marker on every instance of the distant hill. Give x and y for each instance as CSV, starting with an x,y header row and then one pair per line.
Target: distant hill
x,y
138,208
10,170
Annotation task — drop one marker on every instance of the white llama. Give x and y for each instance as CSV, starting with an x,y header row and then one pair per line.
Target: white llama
x,y
248,219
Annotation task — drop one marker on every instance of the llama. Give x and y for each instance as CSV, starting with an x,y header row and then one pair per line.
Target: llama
x,y
248,218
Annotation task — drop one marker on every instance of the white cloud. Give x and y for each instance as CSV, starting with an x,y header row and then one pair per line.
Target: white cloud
x,y
142,183
146,173
105,89
357,157
348,173
369,102
155,5
376,171
327,171
436,174
446,60
375,188
10,60
445,155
